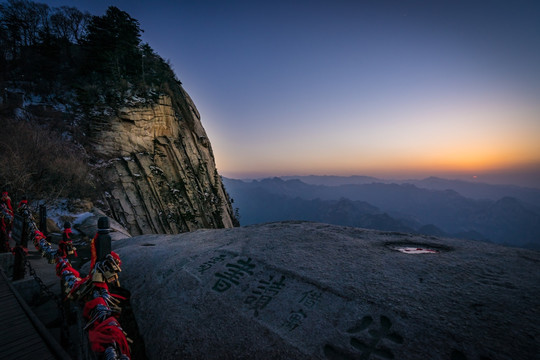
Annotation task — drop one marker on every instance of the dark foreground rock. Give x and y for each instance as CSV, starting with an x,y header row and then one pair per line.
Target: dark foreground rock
x,y
316,291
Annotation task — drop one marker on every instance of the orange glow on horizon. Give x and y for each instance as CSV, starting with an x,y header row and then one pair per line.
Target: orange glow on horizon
x,y
466,164
437,140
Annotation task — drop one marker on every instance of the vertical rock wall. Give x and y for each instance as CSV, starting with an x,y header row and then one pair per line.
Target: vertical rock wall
x,y
161,175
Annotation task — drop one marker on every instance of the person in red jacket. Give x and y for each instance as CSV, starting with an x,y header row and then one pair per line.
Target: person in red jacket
x,y
6,221
6,200
65,247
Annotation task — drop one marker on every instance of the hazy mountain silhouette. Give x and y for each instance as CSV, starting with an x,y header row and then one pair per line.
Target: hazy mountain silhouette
x,y
333,180
259,206
398,207
473,190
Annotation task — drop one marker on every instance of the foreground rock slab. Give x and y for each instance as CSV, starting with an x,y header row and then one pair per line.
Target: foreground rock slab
x,y
300,290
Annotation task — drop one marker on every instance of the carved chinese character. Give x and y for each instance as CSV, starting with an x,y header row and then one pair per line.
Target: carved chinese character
x,y
372,346
264,293
369,343
207,265
294,320
233,274
310,298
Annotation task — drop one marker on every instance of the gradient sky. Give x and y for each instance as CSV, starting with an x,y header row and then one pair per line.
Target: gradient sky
x,y
393,89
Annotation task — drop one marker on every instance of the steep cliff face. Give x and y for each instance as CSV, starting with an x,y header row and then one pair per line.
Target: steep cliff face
x,y
161,176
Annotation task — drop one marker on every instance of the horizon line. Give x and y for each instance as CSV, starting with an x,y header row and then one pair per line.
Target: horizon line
x,y
474,179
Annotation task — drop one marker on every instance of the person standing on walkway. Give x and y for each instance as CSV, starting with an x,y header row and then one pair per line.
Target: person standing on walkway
x,y
5,199
65,247
6,221
24,211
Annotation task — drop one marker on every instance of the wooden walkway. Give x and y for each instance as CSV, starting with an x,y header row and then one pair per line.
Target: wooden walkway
x,y
22,336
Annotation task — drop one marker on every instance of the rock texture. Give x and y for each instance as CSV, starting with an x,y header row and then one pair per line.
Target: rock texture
x,y
301,290
161,174
89,226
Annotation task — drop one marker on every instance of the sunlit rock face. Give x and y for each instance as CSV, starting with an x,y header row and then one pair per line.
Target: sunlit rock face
x,y
315,291
162,176
134,129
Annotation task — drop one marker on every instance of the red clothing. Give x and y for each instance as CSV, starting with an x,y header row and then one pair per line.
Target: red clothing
x,y
66,235
22,202
6,211
66,245
7,200
6,221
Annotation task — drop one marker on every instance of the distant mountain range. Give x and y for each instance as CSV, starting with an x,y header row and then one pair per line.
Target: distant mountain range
x,y
508,215
473,190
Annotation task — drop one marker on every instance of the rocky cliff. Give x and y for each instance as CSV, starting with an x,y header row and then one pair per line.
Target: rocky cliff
x,y
98,85
160,174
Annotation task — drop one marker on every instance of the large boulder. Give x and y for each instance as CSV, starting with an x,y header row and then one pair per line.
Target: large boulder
x,y
88,225
301,290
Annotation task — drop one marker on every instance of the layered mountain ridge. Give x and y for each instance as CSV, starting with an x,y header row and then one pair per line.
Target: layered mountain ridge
x,y
395,207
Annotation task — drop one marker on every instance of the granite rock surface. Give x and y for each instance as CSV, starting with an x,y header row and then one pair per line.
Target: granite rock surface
x,y
300,290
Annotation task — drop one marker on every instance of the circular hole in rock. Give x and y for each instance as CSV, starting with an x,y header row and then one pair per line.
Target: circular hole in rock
x,y
417,247
416,250
148,244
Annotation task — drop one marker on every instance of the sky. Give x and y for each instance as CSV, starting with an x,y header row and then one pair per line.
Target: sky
x,y
392,89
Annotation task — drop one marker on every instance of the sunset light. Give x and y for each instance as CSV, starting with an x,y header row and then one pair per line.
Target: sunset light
x,y
286,179
393,88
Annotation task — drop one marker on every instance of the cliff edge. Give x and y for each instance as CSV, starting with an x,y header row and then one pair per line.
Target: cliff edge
x,y
161,174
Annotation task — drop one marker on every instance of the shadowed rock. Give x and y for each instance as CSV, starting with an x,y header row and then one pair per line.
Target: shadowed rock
x,y
299,290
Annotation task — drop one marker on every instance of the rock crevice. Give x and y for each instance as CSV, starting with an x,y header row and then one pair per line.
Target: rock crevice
x,y
162,176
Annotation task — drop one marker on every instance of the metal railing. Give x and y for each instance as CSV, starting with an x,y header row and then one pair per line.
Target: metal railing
x,y
93,296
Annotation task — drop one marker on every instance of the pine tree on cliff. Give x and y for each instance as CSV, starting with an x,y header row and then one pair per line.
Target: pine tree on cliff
x,y
112,44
